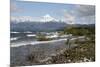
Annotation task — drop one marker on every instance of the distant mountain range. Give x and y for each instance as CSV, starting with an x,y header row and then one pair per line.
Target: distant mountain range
x,y
41,26
37,26
44,23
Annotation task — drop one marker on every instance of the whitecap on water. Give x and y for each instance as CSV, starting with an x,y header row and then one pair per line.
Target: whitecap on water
x,y
31,35
14,38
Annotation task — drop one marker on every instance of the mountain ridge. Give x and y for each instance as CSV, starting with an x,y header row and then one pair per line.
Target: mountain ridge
x,y
41,26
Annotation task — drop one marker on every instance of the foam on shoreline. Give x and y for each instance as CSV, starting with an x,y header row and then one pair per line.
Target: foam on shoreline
x,y
36,42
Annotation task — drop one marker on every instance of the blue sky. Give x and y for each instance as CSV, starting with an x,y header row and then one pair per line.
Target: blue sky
x,y
59,11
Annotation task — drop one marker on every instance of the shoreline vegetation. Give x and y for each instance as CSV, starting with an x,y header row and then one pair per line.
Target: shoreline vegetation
x,y
84,51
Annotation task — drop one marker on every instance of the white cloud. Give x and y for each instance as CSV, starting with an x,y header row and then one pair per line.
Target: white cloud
x,y
21,18
88,19
15,8
68,17
86,13
80,14
85,10
45,18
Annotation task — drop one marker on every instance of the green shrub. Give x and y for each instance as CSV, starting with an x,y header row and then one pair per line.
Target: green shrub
x,y
41,37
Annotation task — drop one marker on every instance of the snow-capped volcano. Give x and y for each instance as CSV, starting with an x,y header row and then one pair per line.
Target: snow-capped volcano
x,y
48,18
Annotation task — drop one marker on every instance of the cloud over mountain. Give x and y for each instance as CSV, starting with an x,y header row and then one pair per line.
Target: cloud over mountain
x,y
88,10
45,18
21,18
70,19
45,12
86,13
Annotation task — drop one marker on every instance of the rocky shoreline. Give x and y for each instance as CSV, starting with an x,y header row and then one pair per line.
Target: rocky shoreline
x,y
53,53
